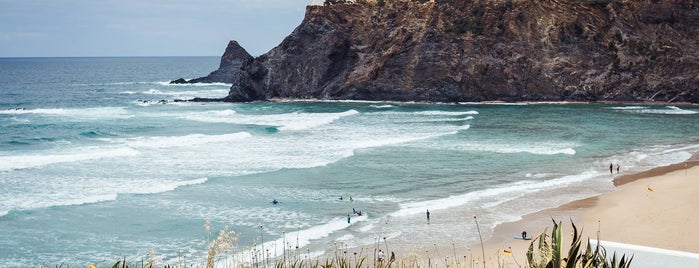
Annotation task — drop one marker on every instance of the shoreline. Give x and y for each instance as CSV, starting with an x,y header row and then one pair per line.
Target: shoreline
x,y
607,216
584,213
494,102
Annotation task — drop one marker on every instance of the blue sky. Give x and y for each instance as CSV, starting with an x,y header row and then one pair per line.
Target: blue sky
x,y
65,28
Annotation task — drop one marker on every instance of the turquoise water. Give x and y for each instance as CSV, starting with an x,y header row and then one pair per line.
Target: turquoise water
x,y
98,162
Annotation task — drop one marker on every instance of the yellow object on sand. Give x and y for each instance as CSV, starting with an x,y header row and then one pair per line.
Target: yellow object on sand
x,y
507,252
650,189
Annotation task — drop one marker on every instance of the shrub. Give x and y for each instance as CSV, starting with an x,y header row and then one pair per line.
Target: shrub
x,y
547,252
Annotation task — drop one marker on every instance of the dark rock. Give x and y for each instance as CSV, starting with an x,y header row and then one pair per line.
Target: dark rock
x,y
228,69
452,50
179,81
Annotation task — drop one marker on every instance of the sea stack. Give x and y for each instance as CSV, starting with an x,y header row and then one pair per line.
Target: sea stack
x,y
227,71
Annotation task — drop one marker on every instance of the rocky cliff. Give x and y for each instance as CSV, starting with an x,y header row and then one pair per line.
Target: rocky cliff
x,y
227,72
488,50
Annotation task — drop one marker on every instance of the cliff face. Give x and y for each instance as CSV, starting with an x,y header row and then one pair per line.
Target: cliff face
x,y
509,50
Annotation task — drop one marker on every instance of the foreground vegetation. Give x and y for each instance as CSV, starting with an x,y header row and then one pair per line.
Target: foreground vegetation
x,y
545,251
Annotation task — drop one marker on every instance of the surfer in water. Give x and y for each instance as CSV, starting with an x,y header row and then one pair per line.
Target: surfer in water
x,y
274,202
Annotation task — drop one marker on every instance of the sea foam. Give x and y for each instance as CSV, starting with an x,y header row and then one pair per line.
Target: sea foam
x,y
84,113
205,93
669,110
505,148
24,202
81,154
288,121
511,190
178,141
304,237
437,113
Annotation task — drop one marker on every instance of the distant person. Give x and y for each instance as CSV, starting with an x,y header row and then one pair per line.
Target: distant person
x,y
611,168
393,257
348,218
524,234
428,215
340,197
617,168
351,200
354,211
275,201
381,255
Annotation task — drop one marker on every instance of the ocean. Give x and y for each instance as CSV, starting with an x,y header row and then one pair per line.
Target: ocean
x,y
98,161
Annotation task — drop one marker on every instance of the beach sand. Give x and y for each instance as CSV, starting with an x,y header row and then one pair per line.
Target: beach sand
x,y
665,217
662,218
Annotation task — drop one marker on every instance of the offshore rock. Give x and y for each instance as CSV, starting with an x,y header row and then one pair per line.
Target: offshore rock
x,y
488,50
179,81
232,59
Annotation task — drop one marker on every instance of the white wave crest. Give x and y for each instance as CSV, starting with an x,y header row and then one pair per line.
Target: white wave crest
x,y
511,189
445,113
82,154
215,84
385,106
83,113
669,110
315,120
304,237
539,149
188,94
629,107
158,187
287,121
90,195
178,141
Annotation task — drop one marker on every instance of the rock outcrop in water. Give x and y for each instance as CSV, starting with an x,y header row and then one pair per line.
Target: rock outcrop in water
x,y
231,61
489,50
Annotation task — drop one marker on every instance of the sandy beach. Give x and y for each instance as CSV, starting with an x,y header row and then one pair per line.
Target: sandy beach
x,y
656,208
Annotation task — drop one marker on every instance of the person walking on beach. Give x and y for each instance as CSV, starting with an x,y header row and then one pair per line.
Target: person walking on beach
x,y
428,215
611,168
393,257
380,256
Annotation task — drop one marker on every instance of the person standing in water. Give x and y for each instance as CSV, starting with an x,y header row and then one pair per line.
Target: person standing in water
x,y
611,168
428,215
617,168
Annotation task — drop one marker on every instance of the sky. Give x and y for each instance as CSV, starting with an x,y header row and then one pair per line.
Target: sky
x,y
89,28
